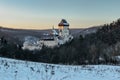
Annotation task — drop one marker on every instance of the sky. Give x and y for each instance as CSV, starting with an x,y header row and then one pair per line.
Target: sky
x,y
43,14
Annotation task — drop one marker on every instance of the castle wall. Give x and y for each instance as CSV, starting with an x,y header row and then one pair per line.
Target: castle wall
x,y
50,43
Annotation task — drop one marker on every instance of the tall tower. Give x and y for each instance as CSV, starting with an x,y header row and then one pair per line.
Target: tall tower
x,y
63,28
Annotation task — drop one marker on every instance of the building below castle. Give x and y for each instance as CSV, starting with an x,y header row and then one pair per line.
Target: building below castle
x,y
56,38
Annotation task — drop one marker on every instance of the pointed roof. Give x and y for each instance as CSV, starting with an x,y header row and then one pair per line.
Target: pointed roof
x,y
63,23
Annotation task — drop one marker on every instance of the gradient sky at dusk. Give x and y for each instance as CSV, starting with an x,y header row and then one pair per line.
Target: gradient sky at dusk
x,y
43,14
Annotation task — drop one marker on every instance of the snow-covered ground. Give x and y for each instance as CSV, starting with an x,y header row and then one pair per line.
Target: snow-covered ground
x,y
11,69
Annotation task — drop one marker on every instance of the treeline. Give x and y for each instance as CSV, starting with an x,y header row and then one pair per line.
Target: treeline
x,y
101,47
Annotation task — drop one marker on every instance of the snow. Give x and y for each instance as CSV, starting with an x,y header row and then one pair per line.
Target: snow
x,y
11,69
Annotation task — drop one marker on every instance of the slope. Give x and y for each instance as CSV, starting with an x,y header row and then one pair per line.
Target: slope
x,y
11,69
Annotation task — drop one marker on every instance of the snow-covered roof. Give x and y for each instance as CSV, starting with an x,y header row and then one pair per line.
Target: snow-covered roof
x,y
63,23
54,32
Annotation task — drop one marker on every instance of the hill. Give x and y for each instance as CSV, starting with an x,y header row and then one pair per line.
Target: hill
x,y
97,45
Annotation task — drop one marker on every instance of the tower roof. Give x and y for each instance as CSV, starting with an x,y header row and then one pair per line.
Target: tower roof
x,y
63,23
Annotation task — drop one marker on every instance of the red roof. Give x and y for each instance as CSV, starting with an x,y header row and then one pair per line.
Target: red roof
x,y
63,23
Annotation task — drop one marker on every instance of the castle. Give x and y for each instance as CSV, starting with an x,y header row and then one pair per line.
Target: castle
x,y
56,38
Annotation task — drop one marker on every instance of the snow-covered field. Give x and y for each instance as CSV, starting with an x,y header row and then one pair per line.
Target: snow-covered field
x,y
11,69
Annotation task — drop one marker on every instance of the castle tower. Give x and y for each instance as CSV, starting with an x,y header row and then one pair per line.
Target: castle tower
x,y
63,28
54,32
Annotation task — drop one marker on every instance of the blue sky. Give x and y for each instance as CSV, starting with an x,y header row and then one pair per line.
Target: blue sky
x,y
43,14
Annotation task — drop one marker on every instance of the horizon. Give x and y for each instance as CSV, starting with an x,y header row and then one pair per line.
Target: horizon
x,y
3,27
36,14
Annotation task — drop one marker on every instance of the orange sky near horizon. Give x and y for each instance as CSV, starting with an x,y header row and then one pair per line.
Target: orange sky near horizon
x,y
49,24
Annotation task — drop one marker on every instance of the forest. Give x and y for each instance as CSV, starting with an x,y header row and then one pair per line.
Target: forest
x,y
102,47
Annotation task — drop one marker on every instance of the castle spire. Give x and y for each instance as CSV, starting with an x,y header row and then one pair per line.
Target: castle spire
x,y
53,27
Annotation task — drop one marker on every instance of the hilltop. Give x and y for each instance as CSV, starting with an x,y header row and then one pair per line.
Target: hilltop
x,y
99,45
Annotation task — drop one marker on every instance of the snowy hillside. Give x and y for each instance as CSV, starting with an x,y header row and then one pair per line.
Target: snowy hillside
x,y
22,70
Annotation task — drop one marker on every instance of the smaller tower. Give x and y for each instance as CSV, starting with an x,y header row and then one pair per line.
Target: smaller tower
x,y
63,28
54,32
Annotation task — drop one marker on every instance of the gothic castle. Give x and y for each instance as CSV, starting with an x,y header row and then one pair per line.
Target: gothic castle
x,y
56,38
